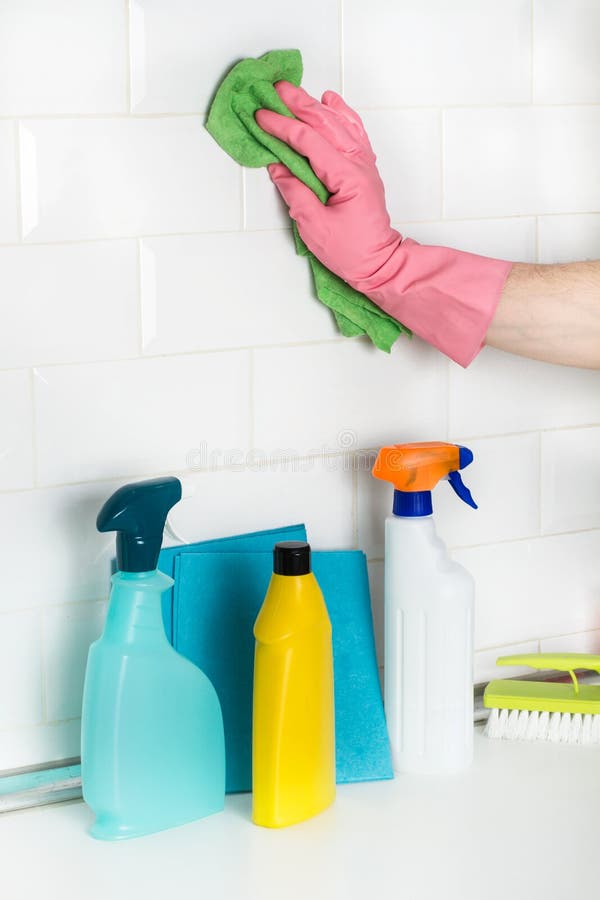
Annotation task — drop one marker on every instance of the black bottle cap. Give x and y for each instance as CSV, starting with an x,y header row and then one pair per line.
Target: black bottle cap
x,y
291,558
137,512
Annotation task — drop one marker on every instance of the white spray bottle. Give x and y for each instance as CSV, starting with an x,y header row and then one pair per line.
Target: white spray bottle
x,y
428,616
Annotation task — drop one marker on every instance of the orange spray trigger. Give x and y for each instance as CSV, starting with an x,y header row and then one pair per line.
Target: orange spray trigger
x,y
415,469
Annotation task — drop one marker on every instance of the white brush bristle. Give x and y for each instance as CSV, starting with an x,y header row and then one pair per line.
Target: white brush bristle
x,y
558,728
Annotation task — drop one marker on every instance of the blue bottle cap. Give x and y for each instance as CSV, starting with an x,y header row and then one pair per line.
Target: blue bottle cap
x,y
411,504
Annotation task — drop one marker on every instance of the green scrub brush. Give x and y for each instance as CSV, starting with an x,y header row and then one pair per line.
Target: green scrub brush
x,y
566,713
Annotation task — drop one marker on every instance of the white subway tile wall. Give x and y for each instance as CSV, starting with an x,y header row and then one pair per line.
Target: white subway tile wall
x,y
69,303
255,493
564,238
434,53
566,62
32,745
409,152
137,417
16,433
180,48
263,206
535,588
53,553
513,239
519,160
500,394
61,58
570,480
156,318
583,642
85,178
347,395
9,228
21,689
67,634
194,299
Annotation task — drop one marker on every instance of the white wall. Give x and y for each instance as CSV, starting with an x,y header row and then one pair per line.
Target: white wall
x,y
155,313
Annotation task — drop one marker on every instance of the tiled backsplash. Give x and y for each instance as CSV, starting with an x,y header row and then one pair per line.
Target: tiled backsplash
x,y
156,317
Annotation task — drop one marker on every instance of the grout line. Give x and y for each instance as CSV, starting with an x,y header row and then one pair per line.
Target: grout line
x,y
362,108
531,214
183,354
34,447
277,461
102,239
19,181
251,407
505,644
448,397
565,634
540,482
128,60
21,726
544,637
244,198
531,50
190,471
523,540
75,116
140,301
503,541
510,434
43,686
40,607
442,162
525,104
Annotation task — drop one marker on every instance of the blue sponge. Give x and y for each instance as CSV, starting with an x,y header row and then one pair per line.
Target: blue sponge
x,y
255,541
216,599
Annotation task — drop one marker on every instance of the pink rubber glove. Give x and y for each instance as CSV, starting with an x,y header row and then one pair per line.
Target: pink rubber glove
x,y
446,296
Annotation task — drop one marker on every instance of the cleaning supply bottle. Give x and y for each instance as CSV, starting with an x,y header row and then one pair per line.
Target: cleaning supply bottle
x,y
152,744
428,677
293,732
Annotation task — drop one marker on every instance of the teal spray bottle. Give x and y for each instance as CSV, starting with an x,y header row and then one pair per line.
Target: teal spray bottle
x,y
152,743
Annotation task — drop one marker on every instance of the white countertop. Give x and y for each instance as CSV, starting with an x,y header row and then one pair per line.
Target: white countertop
x,y
521,824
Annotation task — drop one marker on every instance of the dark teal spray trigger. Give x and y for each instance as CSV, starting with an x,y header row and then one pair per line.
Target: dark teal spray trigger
x,y
461,489
137,512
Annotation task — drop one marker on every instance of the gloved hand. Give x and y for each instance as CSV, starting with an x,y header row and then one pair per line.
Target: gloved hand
x,y
352,234
446,296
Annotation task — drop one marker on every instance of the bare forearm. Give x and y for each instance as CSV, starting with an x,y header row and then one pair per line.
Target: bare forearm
x,y
551,313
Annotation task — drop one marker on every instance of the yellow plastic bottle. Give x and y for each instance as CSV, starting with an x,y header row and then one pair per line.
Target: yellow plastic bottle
x,y
293,734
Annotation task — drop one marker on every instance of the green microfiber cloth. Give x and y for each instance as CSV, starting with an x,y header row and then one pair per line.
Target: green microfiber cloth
x,y
248,87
